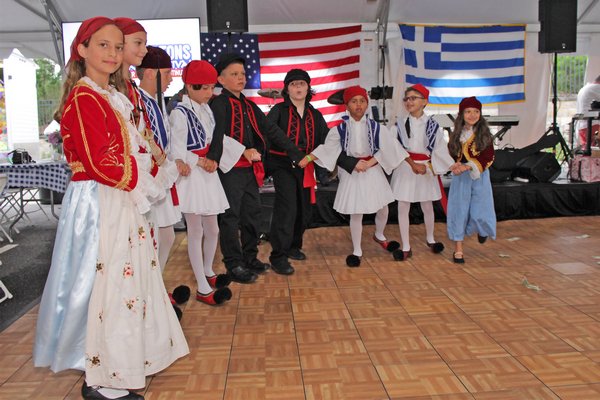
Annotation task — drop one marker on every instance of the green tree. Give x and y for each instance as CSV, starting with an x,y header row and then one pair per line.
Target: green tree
x,y
48,83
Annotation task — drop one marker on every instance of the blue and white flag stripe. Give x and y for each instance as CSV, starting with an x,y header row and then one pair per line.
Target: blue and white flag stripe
x,y
457,62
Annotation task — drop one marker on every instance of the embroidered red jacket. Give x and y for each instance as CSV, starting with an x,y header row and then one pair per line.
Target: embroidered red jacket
x,y
482,159
96,141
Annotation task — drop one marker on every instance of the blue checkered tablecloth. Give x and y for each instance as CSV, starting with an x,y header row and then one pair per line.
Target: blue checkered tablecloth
x,y
54,175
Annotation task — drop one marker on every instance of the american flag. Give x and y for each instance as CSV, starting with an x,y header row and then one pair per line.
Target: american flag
x,y
330,56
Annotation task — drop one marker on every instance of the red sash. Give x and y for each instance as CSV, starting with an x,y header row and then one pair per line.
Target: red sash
x,y
257,167
174,195
154,171
310,182
202,152
425,157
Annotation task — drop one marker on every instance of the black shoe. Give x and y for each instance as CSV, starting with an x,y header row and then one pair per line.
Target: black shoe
x,y
458,260
353,261
282,267
436,247
296,254
257,266
481,239
241,275
219,281
400,255
92,393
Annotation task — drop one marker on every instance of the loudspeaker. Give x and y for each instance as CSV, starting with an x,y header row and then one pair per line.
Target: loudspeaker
x,y
538,167
227,15
500,175
558,26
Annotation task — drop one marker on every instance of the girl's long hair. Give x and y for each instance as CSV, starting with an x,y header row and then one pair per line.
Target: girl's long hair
x,y
76,71
481,130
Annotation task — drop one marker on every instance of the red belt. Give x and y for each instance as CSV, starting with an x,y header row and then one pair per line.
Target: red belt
x,y
308,181
201,152
257,167
425,157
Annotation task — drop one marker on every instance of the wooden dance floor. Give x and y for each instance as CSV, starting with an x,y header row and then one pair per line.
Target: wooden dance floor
x,y
421,329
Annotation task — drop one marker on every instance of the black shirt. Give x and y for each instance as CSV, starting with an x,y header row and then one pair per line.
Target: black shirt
x,y
222,110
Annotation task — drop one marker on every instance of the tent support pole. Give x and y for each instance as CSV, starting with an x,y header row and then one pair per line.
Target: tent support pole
x,y
54,23
586,11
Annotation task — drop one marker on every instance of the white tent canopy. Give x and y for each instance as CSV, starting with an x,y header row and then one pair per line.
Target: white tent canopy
x,y
24,23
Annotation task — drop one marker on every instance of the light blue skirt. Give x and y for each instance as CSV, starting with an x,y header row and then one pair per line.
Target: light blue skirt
x,y
62,318
471,207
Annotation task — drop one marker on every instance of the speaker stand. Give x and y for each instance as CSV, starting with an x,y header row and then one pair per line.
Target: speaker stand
x,y
554,129
229,49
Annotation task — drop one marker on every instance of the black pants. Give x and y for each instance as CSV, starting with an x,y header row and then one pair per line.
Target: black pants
x,y
240,222
291,211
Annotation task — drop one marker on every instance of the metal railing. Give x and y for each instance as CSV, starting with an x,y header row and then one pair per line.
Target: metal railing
x,y
571,75
46,109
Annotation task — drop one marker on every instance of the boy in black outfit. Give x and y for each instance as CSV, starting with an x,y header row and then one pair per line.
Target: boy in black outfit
x,y
241,119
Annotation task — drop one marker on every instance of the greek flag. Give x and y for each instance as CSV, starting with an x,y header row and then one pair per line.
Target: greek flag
x,y
457,62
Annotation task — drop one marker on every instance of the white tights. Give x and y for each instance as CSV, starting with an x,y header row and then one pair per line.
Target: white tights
x,y
202,234
404,222
381,219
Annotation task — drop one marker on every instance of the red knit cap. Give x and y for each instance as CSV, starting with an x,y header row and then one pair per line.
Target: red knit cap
x,y
86,30
469,102
421,89
354,91
128,25
199,72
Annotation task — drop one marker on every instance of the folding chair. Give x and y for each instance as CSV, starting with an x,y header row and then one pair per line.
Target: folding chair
x,y
7,206
4,291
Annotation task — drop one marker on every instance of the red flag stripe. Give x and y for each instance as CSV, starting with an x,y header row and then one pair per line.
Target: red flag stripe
x,y
309,50
289,36
274,69
318,81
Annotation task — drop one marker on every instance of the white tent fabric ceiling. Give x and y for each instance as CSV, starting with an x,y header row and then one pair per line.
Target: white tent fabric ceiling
x,y
23,23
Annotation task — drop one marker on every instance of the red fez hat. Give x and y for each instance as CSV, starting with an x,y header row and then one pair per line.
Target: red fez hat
x,y
421,89
469,102
354,91
86,30
156,58
128,25
199,72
